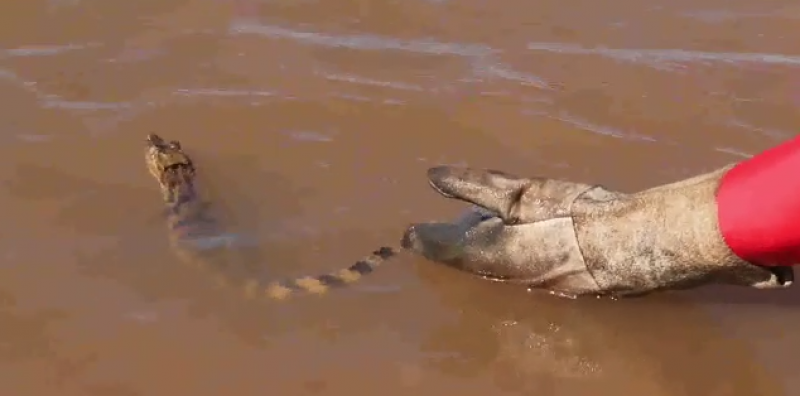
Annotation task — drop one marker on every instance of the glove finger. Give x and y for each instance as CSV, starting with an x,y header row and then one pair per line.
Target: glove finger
x,y
490,189
514,199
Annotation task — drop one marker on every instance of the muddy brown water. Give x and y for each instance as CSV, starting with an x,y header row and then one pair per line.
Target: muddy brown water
x,y
312,123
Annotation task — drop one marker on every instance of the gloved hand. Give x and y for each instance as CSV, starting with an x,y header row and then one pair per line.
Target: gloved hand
x,y
573,238
519,230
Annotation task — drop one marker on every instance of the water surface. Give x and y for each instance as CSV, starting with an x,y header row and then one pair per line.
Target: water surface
x,y
312,124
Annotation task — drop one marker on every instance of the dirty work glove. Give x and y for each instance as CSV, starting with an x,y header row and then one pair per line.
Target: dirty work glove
x,y
574,239
518,230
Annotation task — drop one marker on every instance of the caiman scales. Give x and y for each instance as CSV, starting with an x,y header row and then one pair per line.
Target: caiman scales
x,y
188,218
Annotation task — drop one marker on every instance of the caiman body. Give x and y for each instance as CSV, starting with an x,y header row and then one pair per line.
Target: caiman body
x,y
189,219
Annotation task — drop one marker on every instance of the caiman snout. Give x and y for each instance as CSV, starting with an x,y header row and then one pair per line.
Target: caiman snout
x,y
154,140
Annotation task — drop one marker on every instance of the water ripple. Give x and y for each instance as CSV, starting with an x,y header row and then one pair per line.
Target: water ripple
x,y
363,41
770,132
354,79
592,127
733,151
719,16
669,58
52,101
486,68
309,136
44,50
10,75
223,92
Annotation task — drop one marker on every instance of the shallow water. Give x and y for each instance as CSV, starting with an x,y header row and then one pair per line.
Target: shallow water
x,y
312,124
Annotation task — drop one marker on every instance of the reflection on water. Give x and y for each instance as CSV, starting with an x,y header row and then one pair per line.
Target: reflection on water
x,y
312,124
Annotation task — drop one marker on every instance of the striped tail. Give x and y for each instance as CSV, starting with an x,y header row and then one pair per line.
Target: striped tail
x,y
320,284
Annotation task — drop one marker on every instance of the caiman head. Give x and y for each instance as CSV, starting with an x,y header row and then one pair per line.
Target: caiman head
x,y
171,167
